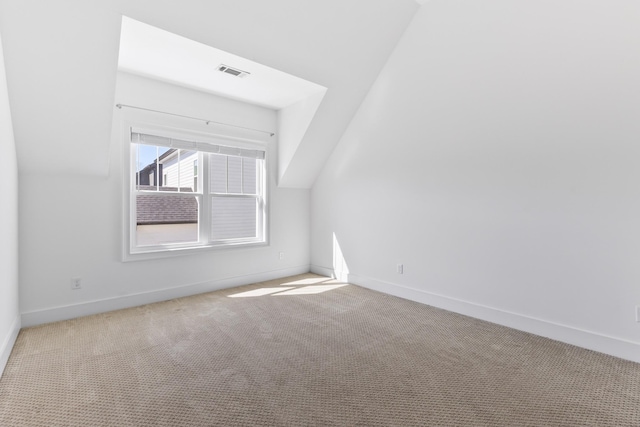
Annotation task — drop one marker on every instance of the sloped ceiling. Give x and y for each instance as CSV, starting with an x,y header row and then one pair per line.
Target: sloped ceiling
x,y
61,59
154,53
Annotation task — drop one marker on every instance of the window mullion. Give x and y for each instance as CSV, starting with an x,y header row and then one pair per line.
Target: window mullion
x,y
179,172
155,174
234,195
205,219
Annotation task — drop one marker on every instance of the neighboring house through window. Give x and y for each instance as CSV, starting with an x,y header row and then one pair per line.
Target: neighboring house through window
x,y
195,173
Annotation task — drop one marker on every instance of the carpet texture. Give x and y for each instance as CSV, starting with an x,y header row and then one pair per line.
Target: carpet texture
x,y
306,351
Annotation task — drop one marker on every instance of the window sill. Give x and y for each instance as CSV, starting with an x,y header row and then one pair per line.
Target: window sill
x,y
160,253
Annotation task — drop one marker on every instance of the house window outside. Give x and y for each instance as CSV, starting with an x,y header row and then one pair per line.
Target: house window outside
x,y
220,204
195,174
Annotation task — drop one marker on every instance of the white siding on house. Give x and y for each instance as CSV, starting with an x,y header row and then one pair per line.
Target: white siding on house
x,y
180,174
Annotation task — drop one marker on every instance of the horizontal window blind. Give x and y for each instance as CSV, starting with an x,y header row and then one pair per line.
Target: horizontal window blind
x,y
163,141
233,218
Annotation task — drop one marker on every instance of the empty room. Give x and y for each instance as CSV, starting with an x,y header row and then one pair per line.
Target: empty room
x,y
320,213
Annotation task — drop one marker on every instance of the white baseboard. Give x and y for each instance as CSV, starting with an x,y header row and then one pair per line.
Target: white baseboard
x,y
7,344
55,314
341,275
322,271
613,346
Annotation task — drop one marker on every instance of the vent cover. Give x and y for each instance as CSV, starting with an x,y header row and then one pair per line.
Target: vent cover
x,y
232,71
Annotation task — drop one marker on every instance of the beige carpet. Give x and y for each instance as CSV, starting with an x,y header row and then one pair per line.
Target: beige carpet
x,y
306,351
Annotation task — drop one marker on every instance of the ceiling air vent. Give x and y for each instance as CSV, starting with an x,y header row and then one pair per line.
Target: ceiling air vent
x,y
233,71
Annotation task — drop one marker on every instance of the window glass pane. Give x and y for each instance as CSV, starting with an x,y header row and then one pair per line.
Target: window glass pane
x,y
163,219
169,165
249,176
234,177
218,173
233,218
149,166
146,156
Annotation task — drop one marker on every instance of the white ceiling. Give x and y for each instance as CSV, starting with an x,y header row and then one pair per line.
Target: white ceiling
x,y
152,52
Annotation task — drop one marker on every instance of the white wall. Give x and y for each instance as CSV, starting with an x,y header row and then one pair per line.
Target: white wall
x,y
71,225
293,123
496,157
9,315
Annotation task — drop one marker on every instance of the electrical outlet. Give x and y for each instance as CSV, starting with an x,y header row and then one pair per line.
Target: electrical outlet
x,y
400,269
76,283
281,255
637,313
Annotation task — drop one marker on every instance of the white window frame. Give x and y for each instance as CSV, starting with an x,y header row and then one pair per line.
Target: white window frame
x,y
133,252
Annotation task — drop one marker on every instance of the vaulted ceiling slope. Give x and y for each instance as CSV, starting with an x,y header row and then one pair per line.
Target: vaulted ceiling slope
x,y
61,59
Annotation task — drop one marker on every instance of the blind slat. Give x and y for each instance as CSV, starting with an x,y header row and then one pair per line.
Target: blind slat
x,y
163,141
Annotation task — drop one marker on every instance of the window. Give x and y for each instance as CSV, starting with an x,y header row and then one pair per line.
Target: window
x,y
187,193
